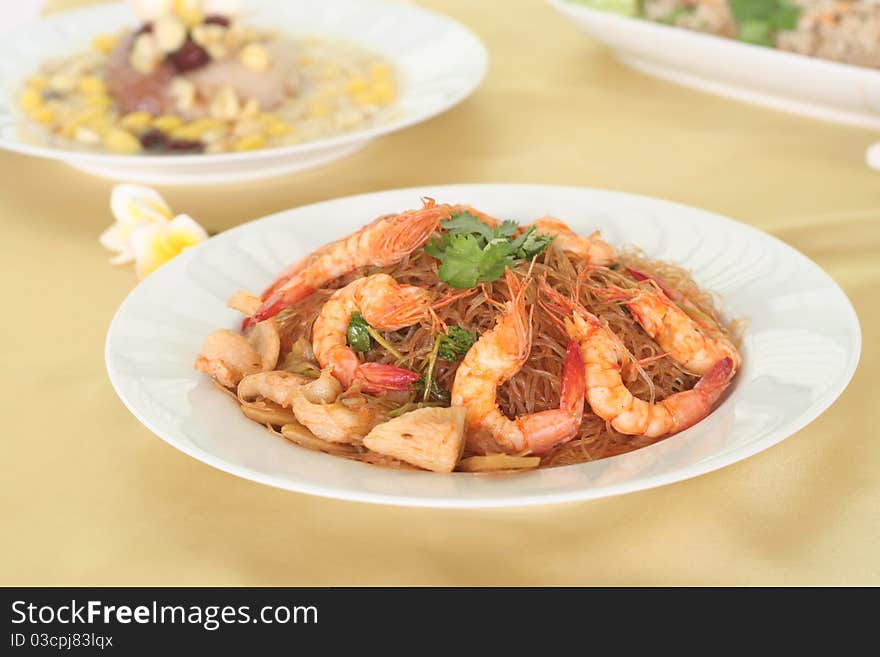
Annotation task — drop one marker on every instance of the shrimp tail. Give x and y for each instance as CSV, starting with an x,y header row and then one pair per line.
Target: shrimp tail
x,y
713,383
640,276
378,377
573,382
547,429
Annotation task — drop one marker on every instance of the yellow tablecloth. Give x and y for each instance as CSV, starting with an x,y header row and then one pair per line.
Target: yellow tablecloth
x,y
89,496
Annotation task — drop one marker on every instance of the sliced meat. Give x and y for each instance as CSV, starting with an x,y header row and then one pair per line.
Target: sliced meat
x,y
134,91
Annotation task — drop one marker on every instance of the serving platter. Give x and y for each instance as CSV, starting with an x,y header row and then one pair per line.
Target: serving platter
x,y
780,80
800,349
439,63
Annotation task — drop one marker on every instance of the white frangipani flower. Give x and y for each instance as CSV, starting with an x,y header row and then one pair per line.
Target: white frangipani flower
x,y
146,229
156,244
132,206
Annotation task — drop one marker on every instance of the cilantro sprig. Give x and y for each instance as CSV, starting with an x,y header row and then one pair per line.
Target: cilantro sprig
x,y
454,344
471,252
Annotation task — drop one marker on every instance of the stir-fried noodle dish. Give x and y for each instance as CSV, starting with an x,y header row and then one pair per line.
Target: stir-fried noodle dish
x,y
445,339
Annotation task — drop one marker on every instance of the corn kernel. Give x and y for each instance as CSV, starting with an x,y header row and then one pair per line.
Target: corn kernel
x,y
356,85
102,101
366,98
38,83
42,114
188,12
80,119
318,109
30,99
250,143
105,43
120,141
187,132
380,71
384,91
91,84
278,129
208,124
136,121
167,123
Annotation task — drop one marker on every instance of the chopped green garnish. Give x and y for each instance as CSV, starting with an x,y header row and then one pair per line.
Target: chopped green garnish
x,y
429,390
451,346
358,333
759,20
455,344
757,32
471,252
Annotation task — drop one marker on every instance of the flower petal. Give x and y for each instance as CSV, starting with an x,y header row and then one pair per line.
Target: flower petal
x,y
134,205
186,231
150,251
116,238
155,244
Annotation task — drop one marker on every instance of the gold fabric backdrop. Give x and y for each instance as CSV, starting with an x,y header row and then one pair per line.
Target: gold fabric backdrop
x,y
89,496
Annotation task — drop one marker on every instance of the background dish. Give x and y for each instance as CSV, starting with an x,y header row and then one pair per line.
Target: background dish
x,y
439,63
800,350
784,81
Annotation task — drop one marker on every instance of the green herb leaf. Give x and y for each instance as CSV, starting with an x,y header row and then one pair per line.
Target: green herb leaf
x,y
460,261
466,223
455,344
435,391
471,252
358,333
758,21
530,244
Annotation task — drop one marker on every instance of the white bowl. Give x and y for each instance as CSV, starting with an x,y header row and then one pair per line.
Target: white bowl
x,y
800,349
439,61
780,80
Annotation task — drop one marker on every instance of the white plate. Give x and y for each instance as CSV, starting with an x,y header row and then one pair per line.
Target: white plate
x,y
785,81
800,349
439,61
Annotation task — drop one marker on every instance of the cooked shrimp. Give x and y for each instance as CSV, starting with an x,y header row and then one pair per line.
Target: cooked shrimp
x,y
494,359
603,356
385,241
278,387
228,357
696,346
387,306
317,407
591,248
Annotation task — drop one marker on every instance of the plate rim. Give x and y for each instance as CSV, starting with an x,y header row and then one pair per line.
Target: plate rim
x,y
711,464
109,159
571,7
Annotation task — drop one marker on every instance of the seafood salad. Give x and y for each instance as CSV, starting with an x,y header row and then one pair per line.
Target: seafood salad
x,y
193,77
447,339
